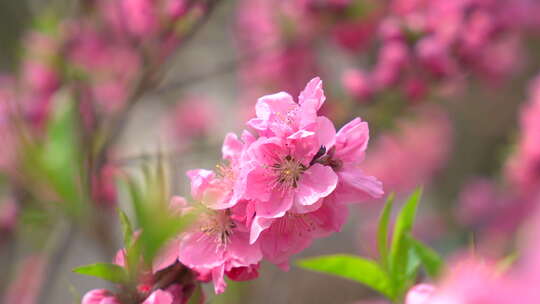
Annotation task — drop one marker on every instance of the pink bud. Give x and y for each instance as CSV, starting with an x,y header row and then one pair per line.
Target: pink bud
x,y
159,297
420,294
357,83
99,296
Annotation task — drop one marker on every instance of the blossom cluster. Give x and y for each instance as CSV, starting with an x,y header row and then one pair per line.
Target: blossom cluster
x,y
438,43
277,189
415,45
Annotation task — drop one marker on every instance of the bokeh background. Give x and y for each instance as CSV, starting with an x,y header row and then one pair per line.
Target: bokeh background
x,y
454,132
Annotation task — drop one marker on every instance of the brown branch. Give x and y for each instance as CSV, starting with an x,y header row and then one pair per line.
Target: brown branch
x,y
60,245
148,81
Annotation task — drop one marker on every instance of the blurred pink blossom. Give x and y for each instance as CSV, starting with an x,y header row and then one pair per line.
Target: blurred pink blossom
x,y
411,155
193,117
112,68
420,294
99,296
523,168
358,84
25,286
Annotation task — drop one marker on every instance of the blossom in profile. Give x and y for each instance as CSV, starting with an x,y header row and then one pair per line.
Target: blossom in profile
x,y
420,294
468,281
99,296
523,167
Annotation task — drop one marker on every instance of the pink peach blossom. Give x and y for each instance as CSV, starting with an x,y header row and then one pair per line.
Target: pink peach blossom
x,y
412,154
294,232
215,246
420,294
193,117
283,178
346,157
99,296
159,297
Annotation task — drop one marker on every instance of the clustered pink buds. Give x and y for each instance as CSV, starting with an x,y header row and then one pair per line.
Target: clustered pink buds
x,y
154,285
276,190
430,43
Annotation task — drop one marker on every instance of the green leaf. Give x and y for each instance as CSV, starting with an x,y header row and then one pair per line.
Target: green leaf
x,y
109,272
400,264
58,160
430,259
405,218
413,263
150,200
507,262
353,268
127,229
382,231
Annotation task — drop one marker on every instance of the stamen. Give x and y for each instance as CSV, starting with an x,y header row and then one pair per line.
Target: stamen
x,y
219,225
288,172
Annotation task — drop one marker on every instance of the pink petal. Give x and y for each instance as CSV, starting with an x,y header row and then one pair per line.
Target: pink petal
x,y
352,140
167,256
199,250
420,294
285,237
232,146
256,185
219,281
218,196
258,124
317,182
244,273
313,93
279,103
159,297
267,151
277,204
356,186
178,204
200,179
326,132
258,225
241,251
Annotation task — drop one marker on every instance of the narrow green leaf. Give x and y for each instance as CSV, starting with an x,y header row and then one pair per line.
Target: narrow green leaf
x,y
127,229
405,218
400,264
109,272
507,262
382,231
353,268
430,259
413,263
59,159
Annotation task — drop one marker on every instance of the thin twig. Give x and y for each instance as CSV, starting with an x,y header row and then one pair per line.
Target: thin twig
x,y
223,69
60,245
210,8
147,82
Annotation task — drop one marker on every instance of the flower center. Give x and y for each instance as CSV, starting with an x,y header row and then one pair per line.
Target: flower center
x,y
288,172
219,225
